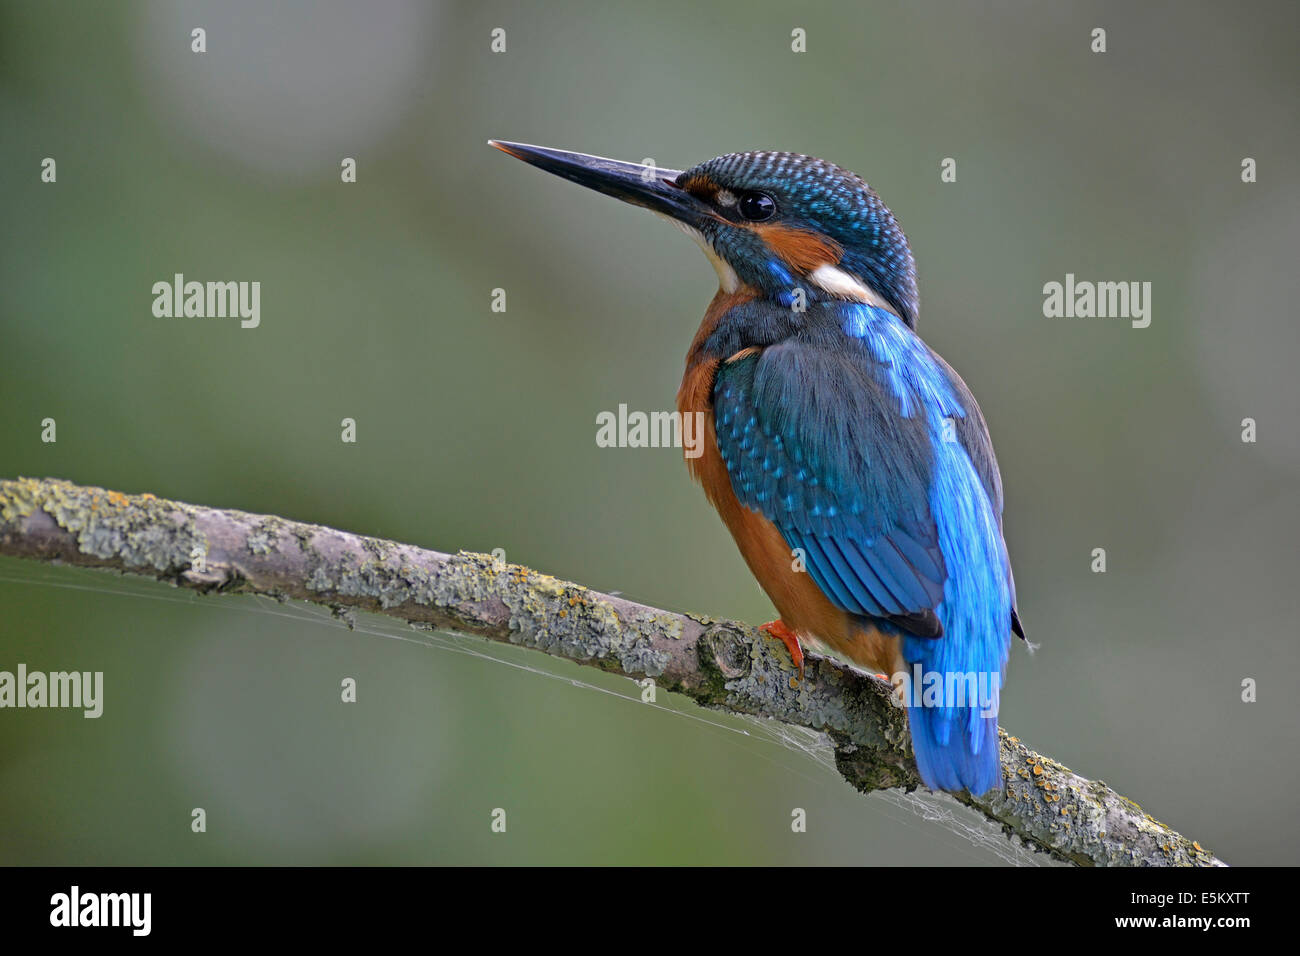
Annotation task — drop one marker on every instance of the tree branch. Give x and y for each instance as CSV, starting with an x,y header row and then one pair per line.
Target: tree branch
x,y
719,664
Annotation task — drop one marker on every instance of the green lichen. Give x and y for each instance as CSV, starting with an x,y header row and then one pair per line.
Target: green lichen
x,y
549,614
319,580
653,623
137,530
264,538
18,498
1053,809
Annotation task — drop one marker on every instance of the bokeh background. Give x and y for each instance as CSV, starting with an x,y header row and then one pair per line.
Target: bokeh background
x,y
476,429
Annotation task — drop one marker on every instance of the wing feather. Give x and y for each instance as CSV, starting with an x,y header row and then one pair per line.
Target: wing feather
x,y
842,475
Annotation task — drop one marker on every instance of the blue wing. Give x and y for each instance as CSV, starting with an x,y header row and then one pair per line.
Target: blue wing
x,y
843,446
840,473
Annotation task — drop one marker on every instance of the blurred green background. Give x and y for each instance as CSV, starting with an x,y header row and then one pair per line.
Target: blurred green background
x,y
477,429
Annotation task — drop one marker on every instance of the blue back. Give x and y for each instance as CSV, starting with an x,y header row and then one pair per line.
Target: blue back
x,y
869,453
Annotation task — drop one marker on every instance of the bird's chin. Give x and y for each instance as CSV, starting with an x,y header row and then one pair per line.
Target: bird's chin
x,y
728,281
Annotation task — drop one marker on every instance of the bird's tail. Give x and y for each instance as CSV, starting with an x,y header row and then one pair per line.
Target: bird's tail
x,y
954,723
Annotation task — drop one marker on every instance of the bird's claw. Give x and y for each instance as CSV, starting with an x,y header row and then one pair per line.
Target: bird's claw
x,y
781,631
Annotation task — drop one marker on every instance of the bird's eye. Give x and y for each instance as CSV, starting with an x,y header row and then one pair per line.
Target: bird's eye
x,y
756,206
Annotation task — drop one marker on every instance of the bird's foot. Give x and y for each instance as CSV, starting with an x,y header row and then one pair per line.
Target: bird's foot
x,y
781,631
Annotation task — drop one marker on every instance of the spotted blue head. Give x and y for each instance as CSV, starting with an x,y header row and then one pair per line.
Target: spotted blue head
x,y
778,223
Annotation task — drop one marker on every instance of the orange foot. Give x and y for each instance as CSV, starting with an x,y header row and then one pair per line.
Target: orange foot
x,y
781,631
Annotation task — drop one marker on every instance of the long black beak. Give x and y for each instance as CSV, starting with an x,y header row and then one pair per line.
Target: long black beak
x,y
647,186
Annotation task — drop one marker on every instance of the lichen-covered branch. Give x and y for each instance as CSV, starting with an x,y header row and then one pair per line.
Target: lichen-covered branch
x,y
720,664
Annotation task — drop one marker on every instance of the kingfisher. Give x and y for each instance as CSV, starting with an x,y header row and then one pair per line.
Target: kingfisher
x,y
848,460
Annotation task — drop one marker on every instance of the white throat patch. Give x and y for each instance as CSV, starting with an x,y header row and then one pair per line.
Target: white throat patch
x,y
845,285
728,281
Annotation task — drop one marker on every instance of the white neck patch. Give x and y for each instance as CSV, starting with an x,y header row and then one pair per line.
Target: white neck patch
x,y
845,285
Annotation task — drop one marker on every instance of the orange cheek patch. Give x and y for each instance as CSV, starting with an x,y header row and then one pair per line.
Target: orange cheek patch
x,y
804,251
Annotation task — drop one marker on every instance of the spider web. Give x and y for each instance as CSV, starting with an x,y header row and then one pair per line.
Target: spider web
x,y
800,751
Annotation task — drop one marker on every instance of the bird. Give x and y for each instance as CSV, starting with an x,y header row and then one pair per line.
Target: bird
x,y
849,461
